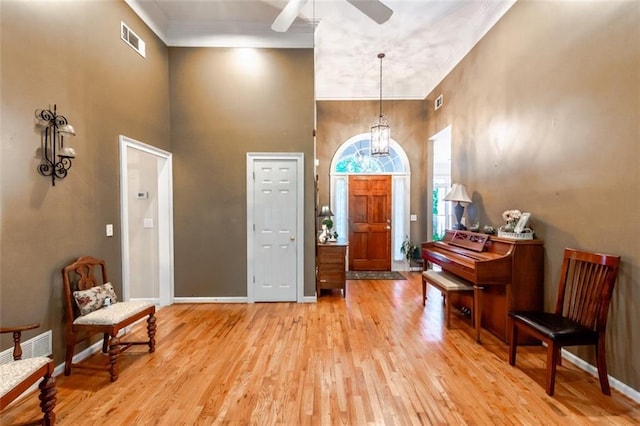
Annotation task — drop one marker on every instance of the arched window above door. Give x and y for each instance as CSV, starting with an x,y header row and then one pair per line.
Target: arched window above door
x,y
354,156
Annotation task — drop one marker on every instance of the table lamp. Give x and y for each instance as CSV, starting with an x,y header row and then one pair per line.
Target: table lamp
x,y
458,194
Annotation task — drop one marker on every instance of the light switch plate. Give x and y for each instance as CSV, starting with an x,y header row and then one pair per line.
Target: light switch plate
x,y
148,222
414,218
109,230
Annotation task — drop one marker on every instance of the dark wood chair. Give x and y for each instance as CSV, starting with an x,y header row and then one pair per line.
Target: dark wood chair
x,y
20,374
86,278
580,317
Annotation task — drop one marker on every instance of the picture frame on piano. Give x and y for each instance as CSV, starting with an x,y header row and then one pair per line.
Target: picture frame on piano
x,y
522,223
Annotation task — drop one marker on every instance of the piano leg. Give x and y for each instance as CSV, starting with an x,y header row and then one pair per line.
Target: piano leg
x,y
477,310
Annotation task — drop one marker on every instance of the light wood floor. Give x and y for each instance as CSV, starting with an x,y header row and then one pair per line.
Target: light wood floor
x,y
376,357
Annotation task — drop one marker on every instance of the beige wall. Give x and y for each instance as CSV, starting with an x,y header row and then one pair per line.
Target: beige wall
x,y
221,109
69,54
545,113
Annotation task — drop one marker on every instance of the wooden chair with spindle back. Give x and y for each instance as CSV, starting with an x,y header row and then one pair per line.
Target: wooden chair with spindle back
x,y
580,318
20,374
86,292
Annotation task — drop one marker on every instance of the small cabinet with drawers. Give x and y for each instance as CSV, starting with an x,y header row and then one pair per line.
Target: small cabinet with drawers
x,y
331,264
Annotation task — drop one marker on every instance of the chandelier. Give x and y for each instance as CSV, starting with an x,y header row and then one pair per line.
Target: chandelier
x,y
380,130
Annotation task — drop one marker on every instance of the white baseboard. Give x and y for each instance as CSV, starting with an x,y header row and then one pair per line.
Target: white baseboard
x,y
306,299
613,382
152,300
210,300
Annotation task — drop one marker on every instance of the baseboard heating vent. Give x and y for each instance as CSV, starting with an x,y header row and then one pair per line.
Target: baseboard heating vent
x,y
36,346
132,39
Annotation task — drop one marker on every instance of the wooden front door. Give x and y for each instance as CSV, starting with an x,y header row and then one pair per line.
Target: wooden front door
x,y
369,223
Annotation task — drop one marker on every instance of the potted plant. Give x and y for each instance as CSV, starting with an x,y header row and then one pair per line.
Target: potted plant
x,y
409,249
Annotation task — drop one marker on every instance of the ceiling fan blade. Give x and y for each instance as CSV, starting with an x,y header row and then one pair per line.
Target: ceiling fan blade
x,y
284,20
374,9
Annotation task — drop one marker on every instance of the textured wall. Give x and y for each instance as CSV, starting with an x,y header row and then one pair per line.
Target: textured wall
x,y
545,113
222,108
69,54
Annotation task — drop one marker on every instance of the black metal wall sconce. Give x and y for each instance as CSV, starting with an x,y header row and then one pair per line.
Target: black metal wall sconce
x,y
56,158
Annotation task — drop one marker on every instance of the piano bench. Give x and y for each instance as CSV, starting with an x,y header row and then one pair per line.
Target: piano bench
x,y
447,283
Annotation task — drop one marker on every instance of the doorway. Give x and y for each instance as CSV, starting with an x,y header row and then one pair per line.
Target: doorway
x,y
275,228
441,183
146,210
370,223
354,157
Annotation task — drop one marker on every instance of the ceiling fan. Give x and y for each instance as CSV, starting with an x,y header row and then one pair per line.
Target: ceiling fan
x,y
374,9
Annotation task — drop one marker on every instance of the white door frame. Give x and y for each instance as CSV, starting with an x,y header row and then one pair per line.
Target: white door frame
x,y
299,159
165,218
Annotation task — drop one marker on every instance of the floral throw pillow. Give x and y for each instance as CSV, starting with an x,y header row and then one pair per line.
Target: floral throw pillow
x,y
93,299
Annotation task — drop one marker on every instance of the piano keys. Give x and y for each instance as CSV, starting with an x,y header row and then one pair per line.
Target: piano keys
x,y
509,273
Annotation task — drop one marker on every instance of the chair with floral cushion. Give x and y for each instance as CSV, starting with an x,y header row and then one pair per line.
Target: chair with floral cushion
x,y
20,374
92,308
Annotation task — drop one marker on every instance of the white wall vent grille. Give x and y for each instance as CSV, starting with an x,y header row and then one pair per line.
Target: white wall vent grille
x,y
36,346
439,102
132,39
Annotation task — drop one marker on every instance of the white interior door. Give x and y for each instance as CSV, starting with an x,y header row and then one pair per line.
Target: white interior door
x,y
274,221
147,222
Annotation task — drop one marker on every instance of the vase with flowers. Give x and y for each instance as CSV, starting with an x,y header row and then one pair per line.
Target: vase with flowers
x,y
515,225
511,217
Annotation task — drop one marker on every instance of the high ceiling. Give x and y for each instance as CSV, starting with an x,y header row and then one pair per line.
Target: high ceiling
x,y
423,40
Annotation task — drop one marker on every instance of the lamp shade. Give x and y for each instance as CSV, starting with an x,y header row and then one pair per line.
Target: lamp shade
x,y
67,152
325,211
458,193
67,129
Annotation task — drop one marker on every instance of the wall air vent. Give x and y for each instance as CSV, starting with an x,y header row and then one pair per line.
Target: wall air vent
x,y
37,346
439,101
132,39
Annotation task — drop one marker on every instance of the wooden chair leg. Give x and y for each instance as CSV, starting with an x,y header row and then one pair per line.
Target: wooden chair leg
x,y
601,363
151,332
48,399
68,359
424,292
114,351
552,362
513,343
105,343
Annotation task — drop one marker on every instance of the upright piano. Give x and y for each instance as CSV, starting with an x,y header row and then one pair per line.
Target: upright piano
x,y
508,272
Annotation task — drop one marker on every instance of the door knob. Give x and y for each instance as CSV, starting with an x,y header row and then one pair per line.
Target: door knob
x,y
292,238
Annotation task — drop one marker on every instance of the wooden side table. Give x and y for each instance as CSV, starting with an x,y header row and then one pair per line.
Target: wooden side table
x,y
331,266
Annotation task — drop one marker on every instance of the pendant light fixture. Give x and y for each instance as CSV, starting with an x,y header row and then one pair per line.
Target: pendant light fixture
x,y
380,131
